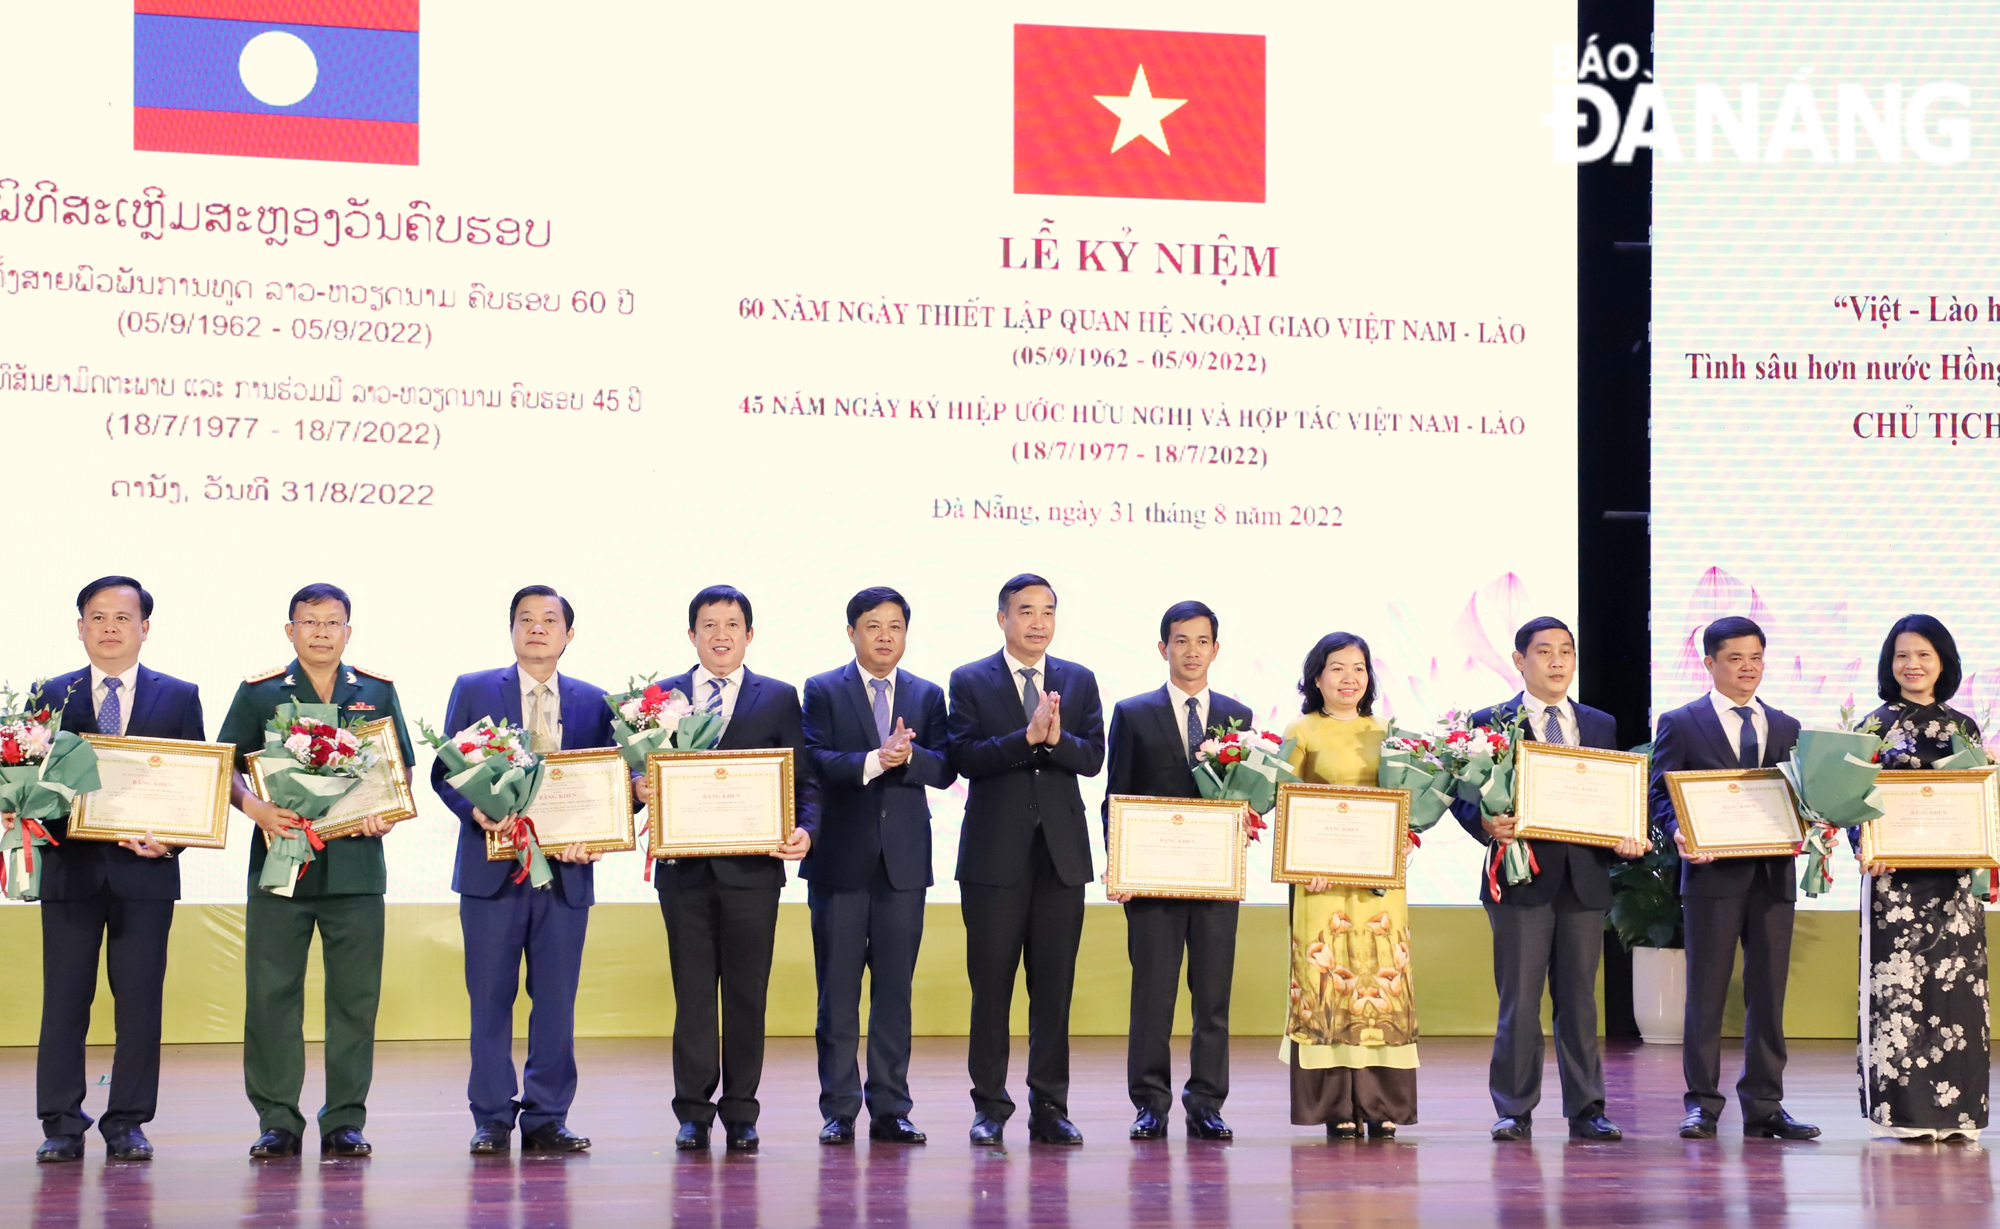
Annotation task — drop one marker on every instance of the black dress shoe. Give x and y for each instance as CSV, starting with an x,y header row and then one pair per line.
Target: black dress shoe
x,y
344,1141
57,1148
1148,1125
1343,1130
1385,1131
1053,1129
491,1139
1208,1125
740,1139
1512,1128
1699,1124
275,1142
553,1137
837,1131
1596,1128
130,1144
692,1137
986,1131
1780,1126
890,1129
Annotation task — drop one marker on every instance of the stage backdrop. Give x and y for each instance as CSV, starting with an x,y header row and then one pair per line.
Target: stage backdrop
x,y
1271,306
1824,373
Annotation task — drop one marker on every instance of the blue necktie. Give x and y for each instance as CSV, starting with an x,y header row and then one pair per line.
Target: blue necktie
x,y
881,689
1746,742
1031,695
714,704
112,711
1194,728
1552,732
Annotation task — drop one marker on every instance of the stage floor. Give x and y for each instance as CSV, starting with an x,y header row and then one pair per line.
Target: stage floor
x,y
1442,1172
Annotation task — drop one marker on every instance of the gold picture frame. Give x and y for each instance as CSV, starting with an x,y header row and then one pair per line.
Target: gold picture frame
x,y
1740,788
1559,767
383,794
1903,791
618,832
1343,804
673,778
1135,817
190,776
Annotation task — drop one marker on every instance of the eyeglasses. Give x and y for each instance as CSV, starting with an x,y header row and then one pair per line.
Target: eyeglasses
x,y
315,625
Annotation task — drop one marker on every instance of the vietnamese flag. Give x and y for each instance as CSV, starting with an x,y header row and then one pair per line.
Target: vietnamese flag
x,y
1166,115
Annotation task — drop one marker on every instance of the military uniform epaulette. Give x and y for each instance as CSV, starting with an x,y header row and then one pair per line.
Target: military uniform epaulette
x,y
373,674
263,675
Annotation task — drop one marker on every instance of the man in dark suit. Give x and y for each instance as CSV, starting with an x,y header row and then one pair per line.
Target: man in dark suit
x,y
878,740
1154,740
119,897
506,919
1548,931
722,913
1747,900
1024,728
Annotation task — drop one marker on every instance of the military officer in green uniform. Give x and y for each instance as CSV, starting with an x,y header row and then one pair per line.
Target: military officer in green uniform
x,y
340,893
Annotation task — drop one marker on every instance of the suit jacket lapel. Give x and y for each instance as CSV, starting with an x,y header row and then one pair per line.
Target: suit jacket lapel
x,y
1711,726
856,689
510,694
147,699
1508,709
1005,679
1172,725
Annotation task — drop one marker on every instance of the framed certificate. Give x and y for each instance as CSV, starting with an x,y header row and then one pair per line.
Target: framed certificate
x,y
178,791
1736,813
707,803
1579,794
1935,819
586,799
383,794
1354,835
1191,848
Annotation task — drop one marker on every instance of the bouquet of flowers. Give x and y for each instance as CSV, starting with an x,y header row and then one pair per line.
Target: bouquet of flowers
x,y
42,770
491,766
1244,765
1832,774
1464,762
311,761
647,719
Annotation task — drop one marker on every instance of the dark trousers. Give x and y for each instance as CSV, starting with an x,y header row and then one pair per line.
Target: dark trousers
x,y
277,940
1157,934
1762,922
1041,921
538,924
1557,945
133,934
719,939
876,928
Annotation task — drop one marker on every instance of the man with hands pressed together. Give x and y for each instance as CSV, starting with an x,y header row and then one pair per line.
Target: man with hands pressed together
x,y
118,898
340,895
1732,900
878,740
1155,738
1024,727
1548,931
504,918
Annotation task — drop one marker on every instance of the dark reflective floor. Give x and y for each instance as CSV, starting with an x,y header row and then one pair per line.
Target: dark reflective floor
x,y
1442,1172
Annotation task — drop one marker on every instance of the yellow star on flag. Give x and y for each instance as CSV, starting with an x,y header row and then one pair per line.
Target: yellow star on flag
x,y
1139,114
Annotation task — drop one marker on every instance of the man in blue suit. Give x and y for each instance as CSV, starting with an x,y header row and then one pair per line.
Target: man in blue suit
x,y
506,919
878,739
1548,931
1746,900
722,912
118,897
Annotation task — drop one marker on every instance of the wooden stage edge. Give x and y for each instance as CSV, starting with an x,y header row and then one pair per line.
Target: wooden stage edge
x,y
1443,1171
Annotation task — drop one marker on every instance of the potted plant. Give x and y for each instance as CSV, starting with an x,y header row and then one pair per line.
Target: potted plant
x,y
1646,914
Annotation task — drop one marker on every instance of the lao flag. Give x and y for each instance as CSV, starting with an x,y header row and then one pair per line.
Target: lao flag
x,y
328,80
1145,113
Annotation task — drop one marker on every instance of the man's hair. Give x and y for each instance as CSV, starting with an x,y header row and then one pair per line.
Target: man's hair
x,y
1950,674
1729,628
1026,580
321,592
102,583
871,597
1544,623
514,607
1181,612
718,595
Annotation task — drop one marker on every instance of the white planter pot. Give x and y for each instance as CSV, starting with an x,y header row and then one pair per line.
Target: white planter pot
x,y
1659,992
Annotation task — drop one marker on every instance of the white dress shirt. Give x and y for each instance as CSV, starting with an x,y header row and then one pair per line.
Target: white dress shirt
x,y
732,687
98,692
1538,718
1732,725
1014,668
872,767
528,685
1180,699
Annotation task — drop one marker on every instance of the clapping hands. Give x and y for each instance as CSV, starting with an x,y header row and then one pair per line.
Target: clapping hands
x,y
1046,726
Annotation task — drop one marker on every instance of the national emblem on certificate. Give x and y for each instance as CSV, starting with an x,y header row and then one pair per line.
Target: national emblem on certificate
x,y
1582,795
585,799
1940,818
715,803
1189,848
178,791
1351,835
1736,813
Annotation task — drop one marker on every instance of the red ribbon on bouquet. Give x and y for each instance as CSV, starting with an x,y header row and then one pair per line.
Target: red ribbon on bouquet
x,y
31,831
1993,886
313,838
1416,841
1499,855
522,833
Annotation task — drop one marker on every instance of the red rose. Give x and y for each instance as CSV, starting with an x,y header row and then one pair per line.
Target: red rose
x,y
42,718
1231,754
10,750
468,747
1273,738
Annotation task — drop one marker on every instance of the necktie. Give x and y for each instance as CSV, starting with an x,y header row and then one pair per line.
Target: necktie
x,y
112,711
1746,742
714,704
541,722
881,689
1031,695
1552,732
1194,727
